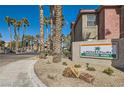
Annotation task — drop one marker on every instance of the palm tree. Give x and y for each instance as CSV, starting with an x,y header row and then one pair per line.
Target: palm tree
x,y
25,23
8,21
41,31
19,24
52,15
14,23
29,41
52,24
37,41
46,23
58,28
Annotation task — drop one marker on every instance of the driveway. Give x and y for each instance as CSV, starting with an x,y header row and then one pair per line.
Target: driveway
x,y
19,74
9,58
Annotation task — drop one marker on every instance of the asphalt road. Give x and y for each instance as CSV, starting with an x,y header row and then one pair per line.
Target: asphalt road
x,y
9,58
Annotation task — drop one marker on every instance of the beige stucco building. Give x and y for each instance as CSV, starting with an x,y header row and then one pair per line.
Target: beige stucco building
x,y
85,27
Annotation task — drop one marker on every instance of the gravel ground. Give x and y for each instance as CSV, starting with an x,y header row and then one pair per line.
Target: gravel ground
x,y
51,74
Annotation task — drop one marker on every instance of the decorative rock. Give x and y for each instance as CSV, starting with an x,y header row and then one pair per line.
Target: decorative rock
x,y
87,77
51,76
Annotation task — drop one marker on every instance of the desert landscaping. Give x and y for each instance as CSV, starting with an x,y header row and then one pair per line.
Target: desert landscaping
x,y
51,74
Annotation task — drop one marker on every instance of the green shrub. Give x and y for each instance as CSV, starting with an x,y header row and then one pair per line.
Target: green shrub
x,y
48,62
64,63
77,65
108,71
90,68
87,65
43,54
66,53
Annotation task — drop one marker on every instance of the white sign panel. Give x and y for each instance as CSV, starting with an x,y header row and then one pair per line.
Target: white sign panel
x,y
106,51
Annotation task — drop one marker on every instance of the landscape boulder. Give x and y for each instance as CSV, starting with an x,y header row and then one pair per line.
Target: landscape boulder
x,y
87,77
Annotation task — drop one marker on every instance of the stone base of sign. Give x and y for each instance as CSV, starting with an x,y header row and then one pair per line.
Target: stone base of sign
x,y
119,62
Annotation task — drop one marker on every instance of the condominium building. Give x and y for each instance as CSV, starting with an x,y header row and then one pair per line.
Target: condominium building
x,y
85,27
106,22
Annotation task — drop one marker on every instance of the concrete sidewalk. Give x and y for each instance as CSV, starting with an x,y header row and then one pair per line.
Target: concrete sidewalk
x,y
19,74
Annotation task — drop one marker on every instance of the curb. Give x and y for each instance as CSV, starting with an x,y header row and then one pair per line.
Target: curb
x,y
35,80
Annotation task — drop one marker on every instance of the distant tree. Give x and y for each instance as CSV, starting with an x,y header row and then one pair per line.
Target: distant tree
x,y
0,35
28,40
0,40
2,43
14,23
37,41
18,24
9,23
25,24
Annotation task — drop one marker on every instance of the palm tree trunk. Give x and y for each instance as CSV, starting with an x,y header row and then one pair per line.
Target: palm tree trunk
x,y
58,28
23,42
51,27
41,28
51,33
47,36
16,38
10,37
41,32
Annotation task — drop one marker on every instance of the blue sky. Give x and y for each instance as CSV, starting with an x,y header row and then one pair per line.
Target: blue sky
x,y
32,13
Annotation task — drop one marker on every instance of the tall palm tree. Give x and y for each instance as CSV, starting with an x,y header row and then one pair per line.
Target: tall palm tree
x,y
25,23
41,31
8,21
46,23
58,28
52,24
52,12
14,23
19,24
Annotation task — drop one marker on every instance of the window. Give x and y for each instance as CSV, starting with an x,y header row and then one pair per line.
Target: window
x,y
91,19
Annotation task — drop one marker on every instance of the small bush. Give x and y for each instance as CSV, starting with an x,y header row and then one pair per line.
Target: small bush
x,y
48,62
77,65
87,65
108,71
51,76
66,53
91,69
64,63
43,54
